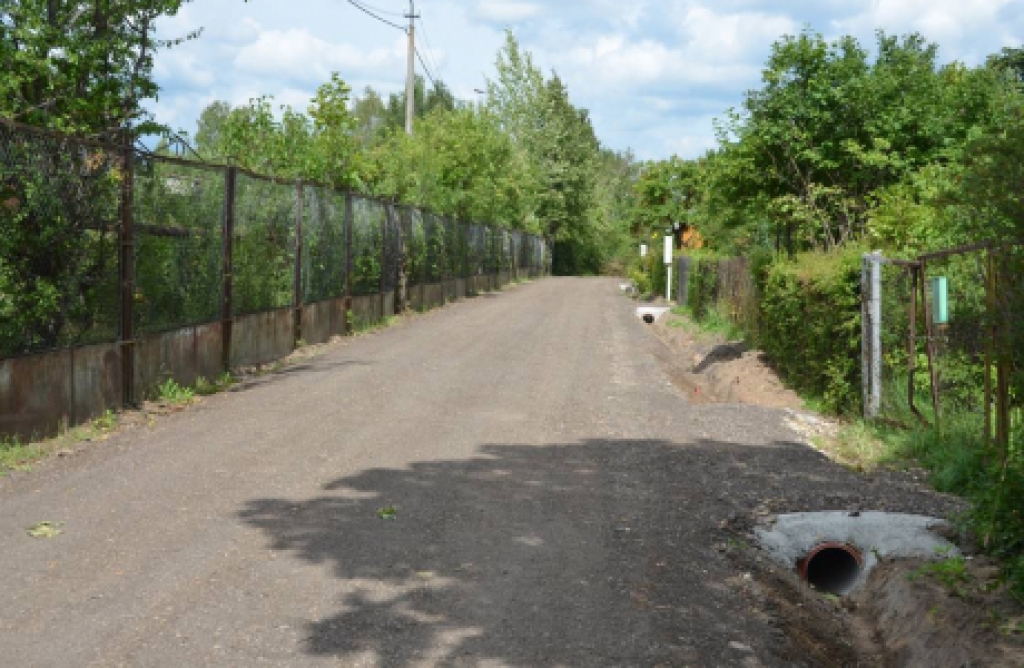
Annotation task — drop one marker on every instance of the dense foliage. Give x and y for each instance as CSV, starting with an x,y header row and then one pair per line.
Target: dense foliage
x,y
524,157
83,68
839,150
837,146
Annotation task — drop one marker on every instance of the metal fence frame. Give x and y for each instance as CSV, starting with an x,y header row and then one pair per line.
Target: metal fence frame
x,y
463,264
998,356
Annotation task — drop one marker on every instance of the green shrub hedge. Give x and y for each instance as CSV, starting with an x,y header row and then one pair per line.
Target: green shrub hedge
x,y
810,325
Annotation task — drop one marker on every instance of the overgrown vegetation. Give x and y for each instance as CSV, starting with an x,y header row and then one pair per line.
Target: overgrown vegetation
x,y
842,149
525,157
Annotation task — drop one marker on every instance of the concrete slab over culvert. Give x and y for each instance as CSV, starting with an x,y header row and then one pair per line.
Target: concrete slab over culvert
x,y
836,551
650,314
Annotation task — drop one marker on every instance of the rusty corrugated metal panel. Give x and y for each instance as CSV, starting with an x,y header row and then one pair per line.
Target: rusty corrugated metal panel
x,y
159,357
316,322
35,394
433,295
263,337
367,309
42,394
96,381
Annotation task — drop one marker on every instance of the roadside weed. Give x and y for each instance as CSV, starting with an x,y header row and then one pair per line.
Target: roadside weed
x,y
170,392
950,573
221,383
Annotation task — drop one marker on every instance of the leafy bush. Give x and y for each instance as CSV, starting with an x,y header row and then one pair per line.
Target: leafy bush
x,y
811,325
702,285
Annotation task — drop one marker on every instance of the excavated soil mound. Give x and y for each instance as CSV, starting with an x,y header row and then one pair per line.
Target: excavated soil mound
x,y
716,371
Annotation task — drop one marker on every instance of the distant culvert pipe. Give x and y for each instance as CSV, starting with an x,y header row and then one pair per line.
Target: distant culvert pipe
x,y
832,568
648,318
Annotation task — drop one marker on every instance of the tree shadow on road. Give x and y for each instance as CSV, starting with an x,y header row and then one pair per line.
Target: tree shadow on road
x,y
598,553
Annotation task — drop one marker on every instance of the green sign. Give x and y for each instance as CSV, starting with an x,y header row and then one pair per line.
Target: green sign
x,y
940,300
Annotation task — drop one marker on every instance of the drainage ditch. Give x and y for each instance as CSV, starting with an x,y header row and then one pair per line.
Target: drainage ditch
x,y
835,552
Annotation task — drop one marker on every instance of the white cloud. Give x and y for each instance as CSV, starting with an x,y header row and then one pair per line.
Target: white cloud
x,y
653,72
500,11
964,30
185,68
715,36
297,54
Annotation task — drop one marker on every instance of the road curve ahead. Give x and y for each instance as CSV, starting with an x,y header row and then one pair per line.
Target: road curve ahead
x,y
509,481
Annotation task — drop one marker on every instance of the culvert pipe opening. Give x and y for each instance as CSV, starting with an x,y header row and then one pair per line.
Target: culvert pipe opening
x,y
648,318
833,568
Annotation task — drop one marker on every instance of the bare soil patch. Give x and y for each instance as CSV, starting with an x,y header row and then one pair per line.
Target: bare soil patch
x,y
722,371
925,619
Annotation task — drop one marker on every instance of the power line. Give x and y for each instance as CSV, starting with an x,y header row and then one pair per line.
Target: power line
x,y
376,16
425,68
431,51
386,12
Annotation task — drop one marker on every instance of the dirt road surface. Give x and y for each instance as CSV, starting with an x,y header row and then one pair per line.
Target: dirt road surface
x,y
557,502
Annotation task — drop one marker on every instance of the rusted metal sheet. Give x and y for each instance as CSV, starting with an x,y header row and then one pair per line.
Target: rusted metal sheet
x,y
96,381
42,394
209,354
323,321
316,322
366,310
185,355
35,394
169,355
416,298
433,295
262,337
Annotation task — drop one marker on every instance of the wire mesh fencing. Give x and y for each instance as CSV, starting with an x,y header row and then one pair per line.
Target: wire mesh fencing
x,y
172,264
264,244
367,245
392,248
178,252
324,256
60,220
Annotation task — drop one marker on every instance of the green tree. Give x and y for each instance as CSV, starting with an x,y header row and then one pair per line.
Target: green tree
x,y
82,67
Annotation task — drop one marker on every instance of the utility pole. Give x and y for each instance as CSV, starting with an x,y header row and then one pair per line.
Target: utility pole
x,y
410,80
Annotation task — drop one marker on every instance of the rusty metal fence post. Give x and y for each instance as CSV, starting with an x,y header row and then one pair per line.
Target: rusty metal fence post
x,y
227,296
348,261
126,278
384,259
297,295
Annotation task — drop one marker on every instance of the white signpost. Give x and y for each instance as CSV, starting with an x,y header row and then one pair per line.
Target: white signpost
x,y
643,250
669,252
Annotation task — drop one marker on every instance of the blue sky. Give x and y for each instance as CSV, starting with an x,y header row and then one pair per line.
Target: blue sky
x,y
654,75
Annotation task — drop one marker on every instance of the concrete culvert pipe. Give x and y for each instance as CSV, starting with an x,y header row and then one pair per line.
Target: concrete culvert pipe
x,y
832,568
648,318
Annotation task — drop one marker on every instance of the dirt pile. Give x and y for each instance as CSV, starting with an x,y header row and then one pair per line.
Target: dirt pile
x,y
717,371
943,615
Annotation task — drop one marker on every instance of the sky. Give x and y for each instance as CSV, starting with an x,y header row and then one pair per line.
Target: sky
x,y
653,74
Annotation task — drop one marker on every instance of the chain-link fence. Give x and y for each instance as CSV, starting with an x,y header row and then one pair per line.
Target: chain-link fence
x,y
367,246
60,217
177,209
120,268
324,256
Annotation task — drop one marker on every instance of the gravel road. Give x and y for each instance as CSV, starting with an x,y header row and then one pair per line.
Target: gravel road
x,y
557,503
